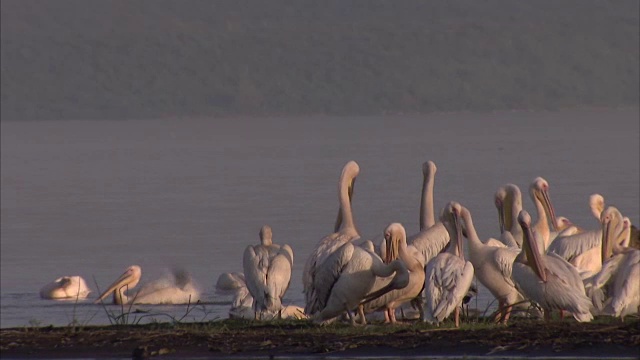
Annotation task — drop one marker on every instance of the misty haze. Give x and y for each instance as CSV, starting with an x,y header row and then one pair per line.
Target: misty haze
x,y
166,134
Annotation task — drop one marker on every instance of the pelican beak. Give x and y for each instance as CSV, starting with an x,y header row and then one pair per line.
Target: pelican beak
x,y
125,279
548,207
605,241
533,254
500,207
458,225
389,256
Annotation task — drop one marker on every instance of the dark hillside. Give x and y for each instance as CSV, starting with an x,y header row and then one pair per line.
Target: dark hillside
x,y
135,59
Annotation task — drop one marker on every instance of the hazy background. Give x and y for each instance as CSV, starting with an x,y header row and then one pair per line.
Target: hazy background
x,y
79,59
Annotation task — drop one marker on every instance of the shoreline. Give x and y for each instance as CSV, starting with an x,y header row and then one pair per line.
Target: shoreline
x,y
609,338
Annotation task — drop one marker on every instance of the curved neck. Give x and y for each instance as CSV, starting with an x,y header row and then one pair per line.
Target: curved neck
x,y
472,235
427,215
345,205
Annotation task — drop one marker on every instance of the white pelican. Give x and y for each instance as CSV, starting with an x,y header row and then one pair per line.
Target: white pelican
x,y
583,250
396,243
267,272
492,266
347,277
616,288
66,287
230,282
449,276
539,192
347,232
179,290
547,278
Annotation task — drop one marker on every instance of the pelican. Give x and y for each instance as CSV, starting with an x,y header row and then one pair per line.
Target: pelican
x,y
619,278
179,290
449,276
396,242
583,250
492,266
346,233
539,192
548,279
267,273
346,278
66,287
230,282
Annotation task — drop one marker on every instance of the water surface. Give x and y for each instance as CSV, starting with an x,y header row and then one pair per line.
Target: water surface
x,y
91,198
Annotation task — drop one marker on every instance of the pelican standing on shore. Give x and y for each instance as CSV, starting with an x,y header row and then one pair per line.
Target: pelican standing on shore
x,y
616,288
448,276
328,245
548,279
396,244
267,269
492,266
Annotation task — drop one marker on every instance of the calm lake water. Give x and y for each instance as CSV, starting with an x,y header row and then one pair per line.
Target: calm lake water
x,y
91,198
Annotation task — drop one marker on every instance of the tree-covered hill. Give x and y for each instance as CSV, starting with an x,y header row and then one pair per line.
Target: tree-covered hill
x,y
87,59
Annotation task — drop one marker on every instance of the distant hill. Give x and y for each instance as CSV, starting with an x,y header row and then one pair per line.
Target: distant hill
x,y
93,59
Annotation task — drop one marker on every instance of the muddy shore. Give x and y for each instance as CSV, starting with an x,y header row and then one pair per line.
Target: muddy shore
x,y
235,338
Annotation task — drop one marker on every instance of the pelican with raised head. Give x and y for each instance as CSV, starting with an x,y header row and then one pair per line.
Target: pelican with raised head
x,y
448,276
65,287
345,233
539,192
267,270
548,279
177,290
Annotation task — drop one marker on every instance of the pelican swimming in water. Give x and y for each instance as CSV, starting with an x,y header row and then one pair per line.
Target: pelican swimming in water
x,y
345,233
267,271
615,289
346,279
492,266
65,287
179,290
548,279
448,276
396,244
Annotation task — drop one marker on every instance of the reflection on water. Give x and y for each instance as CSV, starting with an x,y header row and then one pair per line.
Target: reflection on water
x,y
91,198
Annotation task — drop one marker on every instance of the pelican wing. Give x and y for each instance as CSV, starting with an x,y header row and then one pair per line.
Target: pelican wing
x,y
626,289
503,259
448,281
278,278
568,247
326,275
255,263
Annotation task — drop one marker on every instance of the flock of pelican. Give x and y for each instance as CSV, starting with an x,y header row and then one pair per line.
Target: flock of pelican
x,y
548,261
